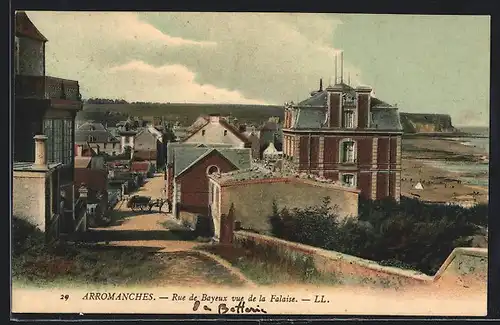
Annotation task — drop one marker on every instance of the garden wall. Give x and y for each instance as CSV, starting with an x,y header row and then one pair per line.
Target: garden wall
x,y
349,269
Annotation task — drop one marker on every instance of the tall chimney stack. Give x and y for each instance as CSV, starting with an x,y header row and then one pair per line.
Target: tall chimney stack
x,y
321,84
342,67
335,82
40,151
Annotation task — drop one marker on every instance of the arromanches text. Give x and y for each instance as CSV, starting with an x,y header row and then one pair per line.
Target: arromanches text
x,y
117,296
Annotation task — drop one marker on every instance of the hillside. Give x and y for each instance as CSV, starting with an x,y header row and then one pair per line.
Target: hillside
x,y
184,113
428,123
255,114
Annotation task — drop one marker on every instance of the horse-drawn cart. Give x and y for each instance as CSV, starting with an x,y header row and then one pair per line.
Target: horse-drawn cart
x,y
144,203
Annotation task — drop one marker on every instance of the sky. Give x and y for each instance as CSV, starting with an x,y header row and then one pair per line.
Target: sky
x,y
428,64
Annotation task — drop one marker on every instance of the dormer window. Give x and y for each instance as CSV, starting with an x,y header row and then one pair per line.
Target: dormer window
x,y
203,132
92,128
225,132
91,138
348,119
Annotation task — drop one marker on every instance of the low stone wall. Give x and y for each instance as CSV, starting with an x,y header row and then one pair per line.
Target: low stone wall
x,y
349,269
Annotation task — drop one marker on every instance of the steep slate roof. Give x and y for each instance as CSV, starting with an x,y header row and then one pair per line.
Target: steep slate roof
x,y
311,112
186,157
97,130
171,146
26,28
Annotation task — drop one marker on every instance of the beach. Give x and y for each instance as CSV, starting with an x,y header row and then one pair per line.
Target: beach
x,y
448,169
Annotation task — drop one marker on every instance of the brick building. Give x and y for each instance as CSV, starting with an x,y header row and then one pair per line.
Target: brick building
x,y
346,134
188,170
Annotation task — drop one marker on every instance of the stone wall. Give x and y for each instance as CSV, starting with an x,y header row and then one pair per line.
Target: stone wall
x,y
253,202
464,267
29,197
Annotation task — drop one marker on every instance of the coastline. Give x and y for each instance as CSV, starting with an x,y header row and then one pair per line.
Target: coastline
x,y
440,184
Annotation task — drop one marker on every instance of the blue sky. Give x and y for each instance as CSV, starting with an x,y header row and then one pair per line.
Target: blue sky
x,y
434,64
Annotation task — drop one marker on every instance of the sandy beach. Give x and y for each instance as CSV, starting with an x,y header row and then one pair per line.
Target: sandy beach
x,y
440,185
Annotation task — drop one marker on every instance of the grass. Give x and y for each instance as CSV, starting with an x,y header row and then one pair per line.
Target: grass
x,y
35,264
264,270
91,265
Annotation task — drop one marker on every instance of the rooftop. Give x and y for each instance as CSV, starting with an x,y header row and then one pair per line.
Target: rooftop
x,y
260,172
29,166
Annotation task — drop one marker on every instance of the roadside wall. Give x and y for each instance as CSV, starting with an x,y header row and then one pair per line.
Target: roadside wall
x,y
349,269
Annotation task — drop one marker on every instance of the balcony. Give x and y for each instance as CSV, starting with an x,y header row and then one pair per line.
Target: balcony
x,y
44,87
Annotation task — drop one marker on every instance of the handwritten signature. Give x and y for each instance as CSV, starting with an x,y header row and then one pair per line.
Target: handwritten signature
x,y
240,308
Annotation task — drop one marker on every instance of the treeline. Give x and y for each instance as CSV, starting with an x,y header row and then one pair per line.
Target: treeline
x,y
104,101
410,234
114,101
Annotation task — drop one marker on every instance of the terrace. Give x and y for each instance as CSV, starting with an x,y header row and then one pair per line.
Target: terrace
x,y
45,87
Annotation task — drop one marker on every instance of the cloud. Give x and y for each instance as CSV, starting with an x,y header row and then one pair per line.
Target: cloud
x,y
272,56
139,81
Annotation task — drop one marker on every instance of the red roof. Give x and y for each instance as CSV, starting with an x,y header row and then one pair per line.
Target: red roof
x,y
26,28
140,166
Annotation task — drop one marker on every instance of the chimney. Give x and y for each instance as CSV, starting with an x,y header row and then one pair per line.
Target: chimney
x,y
335,82
40,151
321,84
342,67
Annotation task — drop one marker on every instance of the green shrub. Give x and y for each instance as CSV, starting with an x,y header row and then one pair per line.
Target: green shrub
x,y
26,236
410,234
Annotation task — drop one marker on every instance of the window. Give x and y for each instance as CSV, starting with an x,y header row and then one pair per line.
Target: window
x,y
91,138
202,132
348,154
349,180
59,134
212,169
348,119
225,132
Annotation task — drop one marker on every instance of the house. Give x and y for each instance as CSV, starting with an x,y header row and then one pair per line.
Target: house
x,y
187,170
98,137
254,191
92,173
344,133
143,167
216,130
271,131
44,105
253,139
127,139
148,145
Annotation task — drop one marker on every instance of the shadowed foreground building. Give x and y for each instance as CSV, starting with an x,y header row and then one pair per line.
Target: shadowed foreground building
x,y
343,133
43,105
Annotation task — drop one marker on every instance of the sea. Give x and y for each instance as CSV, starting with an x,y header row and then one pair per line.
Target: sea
x,y
478,171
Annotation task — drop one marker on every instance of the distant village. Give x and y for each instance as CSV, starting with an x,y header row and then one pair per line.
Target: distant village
x,y
339,142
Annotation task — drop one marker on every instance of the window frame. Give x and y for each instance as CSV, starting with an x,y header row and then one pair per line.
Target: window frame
x,y
209,167
342,152
354,179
